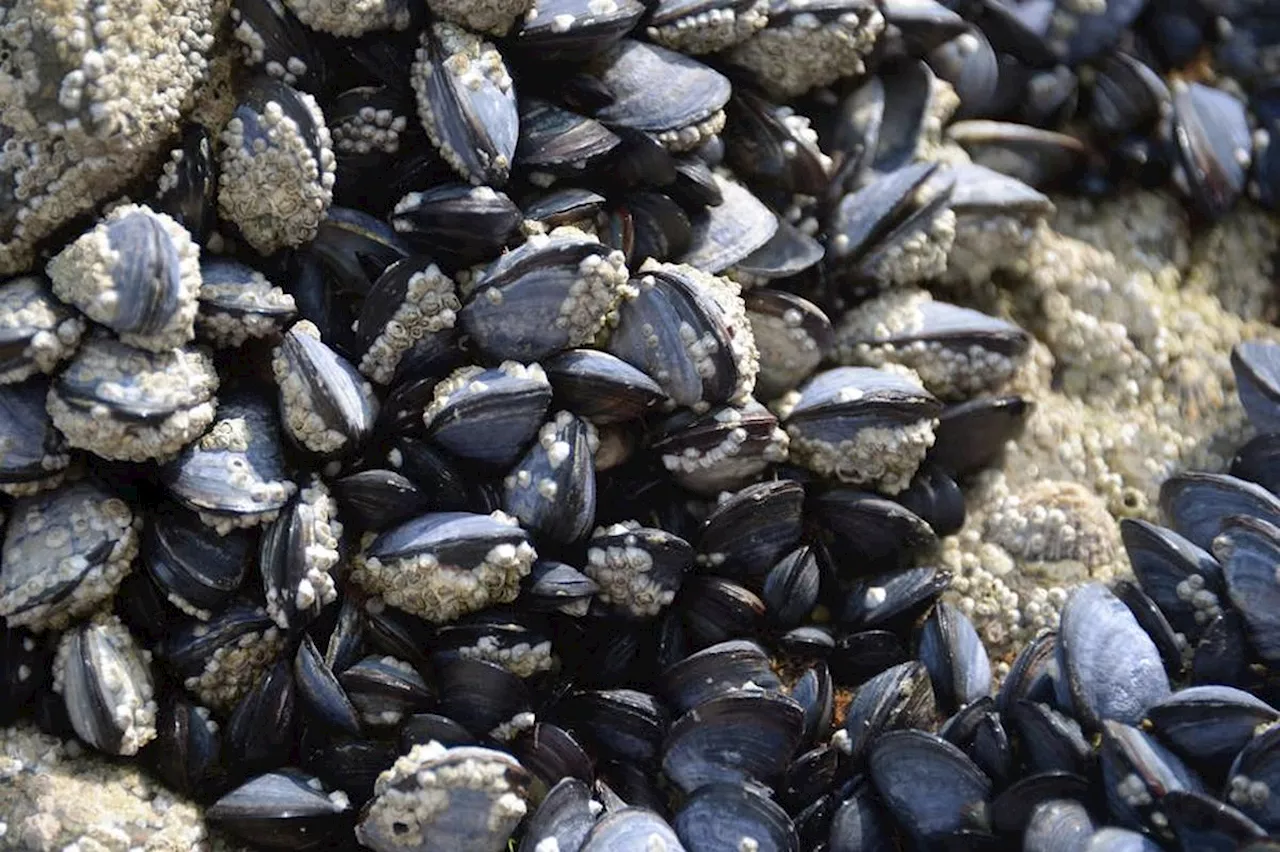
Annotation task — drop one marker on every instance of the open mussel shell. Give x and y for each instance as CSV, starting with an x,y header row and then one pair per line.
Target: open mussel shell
x,y
489,415
35,455
774,146
298,551
136,272
65,554
638,569
235,475
466,102
927,783
1108,665
1137,771
733,738
283,809
104,678
37,331
326,406
475,816
860,425
601,387
126,404
445,564
725,816
238,303
871,229
198,570
552,293
276,154
1039,158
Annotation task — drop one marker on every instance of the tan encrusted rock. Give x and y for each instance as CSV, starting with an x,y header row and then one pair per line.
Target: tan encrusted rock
x,y
56,797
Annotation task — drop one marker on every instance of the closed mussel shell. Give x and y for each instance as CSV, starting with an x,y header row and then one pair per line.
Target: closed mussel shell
x,y
155,403
411,306
601,387
198,570
445,564
65,553
552,293
282,809
238,303
104,678
136,272
234,476
1108,665
37,331
489,415
35,454
466,102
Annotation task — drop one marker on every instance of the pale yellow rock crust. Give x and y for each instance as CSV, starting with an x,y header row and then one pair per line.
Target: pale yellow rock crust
x,y
57,796
1134,321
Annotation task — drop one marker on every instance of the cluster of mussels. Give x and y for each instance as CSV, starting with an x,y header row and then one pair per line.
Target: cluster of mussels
x,y
453,448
